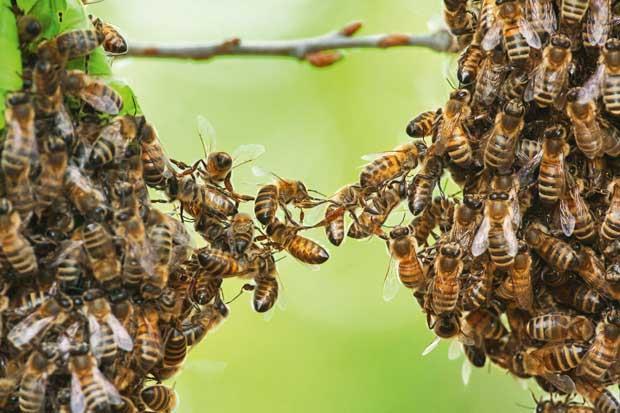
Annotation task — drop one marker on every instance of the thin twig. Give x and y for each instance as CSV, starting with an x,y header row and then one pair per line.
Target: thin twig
x,y
319,51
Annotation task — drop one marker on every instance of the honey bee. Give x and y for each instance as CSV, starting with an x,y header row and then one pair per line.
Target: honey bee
x,y
583,114
560,327
265,292
94,92
551,178
52,312
527,150
610,228
466,217
220,264
19,145
107,334
101,252
558,254
197,199
515,85
390,165
422,125
499,150
592,270
28,29
32,387
77,43
241,233
542,362
402,247
147,349
490,78
604,349
453,136
90,390
113,140
345,199
496,232
207,320
482,324
53,160
69,264
521,278
458,19
573,11
46,79
551,76
154,160
205,288
420,190
541,15
575,215
468,66
550,406
159,398
516,32
15,246
302,248
113,41
175,351
446,286
606,78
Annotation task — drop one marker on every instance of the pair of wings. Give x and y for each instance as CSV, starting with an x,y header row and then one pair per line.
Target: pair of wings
x,y
494,35
97,334
100,96
541,11
24,331
78,399
481,240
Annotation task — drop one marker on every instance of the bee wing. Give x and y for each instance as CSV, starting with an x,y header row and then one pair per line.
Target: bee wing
x,y
369,157
261,172
391,283
78,401
96,336
591,88
429,349
455,350
549,19
26,329
481,240
207,134
530,35
247,153
509,235
100,102
562,382
113,395
121,336
598,23
537,77
492,37
466,372
567,220
515,211
527,174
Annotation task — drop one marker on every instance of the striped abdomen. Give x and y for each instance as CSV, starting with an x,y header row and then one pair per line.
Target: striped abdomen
x,y
573,11
335,227
499,151
611,93
602,353
558,358
175,349
498,248
550,181
147,347
30,395
445,293
515,44
381,170
458,148
21,195
548,86
411,273
265,293
19,253
266,204
421,125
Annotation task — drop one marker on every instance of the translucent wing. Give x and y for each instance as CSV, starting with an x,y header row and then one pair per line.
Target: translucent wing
x,y
481,240
455,350
591,89
515,211
247,153
431,346
536,78
25,330
598,23
527,174
78,402
369,157
391,284
121,336
548,18
567,220
530,35
258,171
492,37
102,102
113,396
509,235
207,134
562,382
466,372
96,336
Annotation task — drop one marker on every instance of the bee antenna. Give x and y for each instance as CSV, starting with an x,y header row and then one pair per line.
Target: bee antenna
x,y
450,83
317,192
524,406
243,288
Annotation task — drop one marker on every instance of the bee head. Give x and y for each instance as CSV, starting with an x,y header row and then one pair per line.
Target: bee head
x,y
400,232
556,132
561,41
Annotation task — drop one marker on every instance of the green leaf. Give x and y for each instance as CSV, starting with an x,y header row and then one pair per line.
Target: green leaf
x,y
75,16
130,102
10,57
26,5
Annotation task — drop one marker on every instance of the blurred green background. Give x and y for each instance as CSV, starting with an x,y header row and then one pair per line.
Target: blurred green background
x,y
337,347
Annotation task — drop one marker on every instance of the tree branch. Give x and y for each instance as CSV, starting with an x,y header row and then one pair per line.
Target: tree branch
x,y
319,51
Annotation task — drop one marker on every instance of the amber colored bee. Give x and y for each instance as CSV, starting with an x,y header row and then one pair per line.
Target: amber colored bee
x,y
69,264
584,122
54,159
77,43
551,406
304,249
51,312
198,198
482,324
500,146
601,398
610,228
452,135
241,233
527,150
516,32
496,233
402,246
446,284
521,277
19,144
345,199
420,190
101,252
390,165
94,92
46,79
606,79
113,41
573,11
560,327
514,85
422,125
551,178
548,361
468,65
159,398
113,140
174,353
220,264
558,254
205,321
265,292
458,19
90,390
15,246
153,157
205,288
38,368
603,351
551,75
147,350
